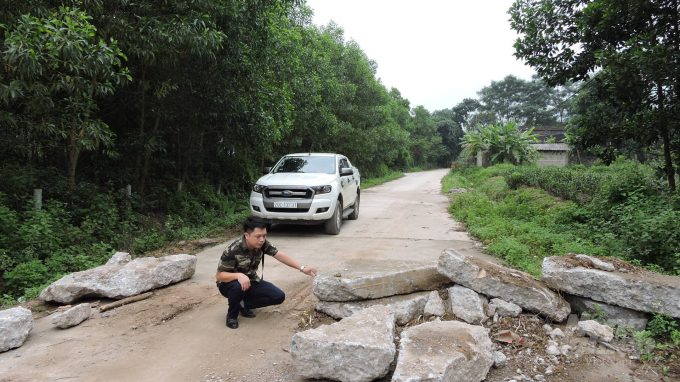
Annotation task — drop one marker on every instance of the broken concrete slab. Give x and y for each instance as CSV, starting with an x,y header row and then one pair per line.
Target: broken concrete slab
x,y
406,307
467,304
435,306
15,324
370,279
507,284
636,289
606,313
444,351
504,308
358,348
596,330
72,317
121,279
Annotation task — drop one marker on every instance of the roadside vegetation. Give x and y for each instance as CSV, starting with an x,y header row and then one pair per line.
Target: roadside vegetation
x,y
525,213
383,179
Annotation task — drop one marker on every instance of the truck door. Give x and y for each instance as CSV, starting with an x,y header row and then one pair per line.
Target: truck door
x,y
349,184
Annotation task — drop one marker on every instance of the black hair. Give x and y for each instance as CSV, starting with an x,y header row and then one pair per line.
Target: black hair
x,y
253,222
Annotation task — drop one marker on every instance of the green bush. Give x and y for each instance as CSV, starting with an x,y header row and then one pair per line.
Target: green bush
x,y
38,247
526,213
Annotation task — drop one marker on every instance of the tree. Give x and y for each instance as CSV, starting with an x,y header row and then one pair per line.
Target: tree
x,y
629,48
451,132
54,69
514,99
426,143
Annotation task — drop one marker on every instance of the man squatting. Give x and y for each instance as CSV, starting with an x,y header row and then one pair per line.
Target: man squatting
x,y
237,277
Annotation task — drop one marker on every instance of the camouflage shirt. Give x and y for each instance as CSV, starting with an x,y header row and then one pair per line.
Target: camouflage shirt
x,y
238,258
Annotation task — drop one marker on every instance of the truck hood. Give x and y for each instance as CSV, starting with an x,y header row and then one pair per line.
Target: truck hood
x,y
296,179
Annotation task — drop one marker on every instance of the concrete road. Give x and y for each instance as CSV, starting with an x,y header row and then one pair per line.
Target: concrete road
x,y
179,334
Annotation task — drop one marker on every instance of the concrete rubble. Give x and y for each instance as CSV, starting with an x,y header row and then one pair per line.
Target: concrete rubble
x,y
594,329
435,306
72,317
611,314
509,285
370,279
405,307
444,351
467,304
452,350
641,290
504,308
15,324
121,277
359,348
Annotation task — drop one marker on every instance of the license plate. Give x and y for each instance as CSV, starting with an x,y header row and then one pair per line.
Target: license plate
x,y
285,205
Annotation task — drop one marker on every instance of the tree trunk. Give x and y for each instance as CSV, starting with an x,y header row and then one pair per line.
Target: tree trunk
x,y
138,155
73,155
670,174
147,156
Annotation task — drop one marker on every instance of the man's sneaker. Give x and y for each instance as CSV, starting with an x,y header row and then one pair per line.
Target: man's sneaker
x,y
232,323
245,312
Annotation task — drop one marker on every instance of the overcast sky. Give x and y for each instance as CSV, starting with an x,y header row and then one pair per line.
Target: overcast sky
x,y
436,52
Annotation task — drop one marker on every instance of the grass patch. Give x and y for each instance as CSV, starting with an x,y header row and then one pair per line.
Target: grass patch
x,y
524,214
368,183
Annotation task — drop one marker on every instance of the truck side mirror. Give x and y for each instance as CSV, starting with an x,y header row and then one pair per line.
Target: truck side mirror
x,y
266,170
346,171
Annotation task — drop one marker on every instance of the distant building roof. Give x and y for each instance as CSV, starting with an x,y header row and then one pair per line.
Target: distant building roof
x,y
550,146
560,129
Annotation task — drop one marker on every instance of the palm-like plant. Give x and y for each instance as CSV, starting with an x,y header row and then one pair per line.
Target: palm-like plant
x,y
503,141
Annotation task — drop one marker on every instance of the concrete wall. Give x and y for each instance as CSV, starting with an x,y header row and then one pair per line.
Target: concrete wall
x,y
553,158
483,159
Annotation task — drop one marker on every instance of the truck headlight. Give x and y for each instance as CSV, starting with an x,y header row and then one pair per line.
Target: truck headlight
x,y
258,188
322,189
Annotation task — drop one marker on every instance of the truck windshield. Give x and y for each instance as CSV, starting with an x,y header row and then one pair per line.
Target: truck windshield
x,y
309,164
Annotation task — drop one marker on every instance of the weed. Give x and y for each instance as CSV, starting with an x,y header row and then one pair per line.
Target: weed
x,y
662,325
645,344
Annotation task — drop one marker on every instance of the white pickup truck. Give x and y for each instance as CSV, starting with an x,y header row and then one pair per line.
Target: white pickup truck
x,y
310,188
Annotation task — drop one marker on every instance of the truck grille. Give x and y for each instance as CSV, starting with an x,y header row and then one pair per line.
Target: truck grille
x,y
296,192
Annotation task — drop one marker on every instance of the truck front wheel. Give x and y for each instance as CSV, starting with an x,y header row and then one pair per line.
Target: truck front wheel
x,y
333,224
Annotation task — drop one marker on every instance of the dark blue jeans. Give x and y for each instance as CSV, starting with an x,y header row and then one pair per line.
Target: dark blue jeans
x,y
259,295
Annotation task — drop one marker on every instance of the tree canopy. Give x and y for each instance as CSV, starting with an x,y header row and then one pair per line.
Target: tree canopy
x,y
627,54
154,93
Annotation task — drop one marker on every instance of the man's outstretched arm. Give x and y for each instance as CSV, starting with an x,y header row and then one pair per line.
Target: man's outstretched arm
x,y
289,261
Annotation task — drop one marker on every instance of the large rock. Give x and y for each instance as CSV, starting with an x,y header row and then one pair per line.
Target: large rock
x,y
615,315
359,348
15,323
467,304
72,317
120,278
370,279
507,284
444,351
405,307
636,288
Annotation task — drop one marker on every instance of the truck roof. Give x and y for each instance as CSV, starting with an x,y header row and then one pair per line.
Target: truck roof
x,y
312,154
